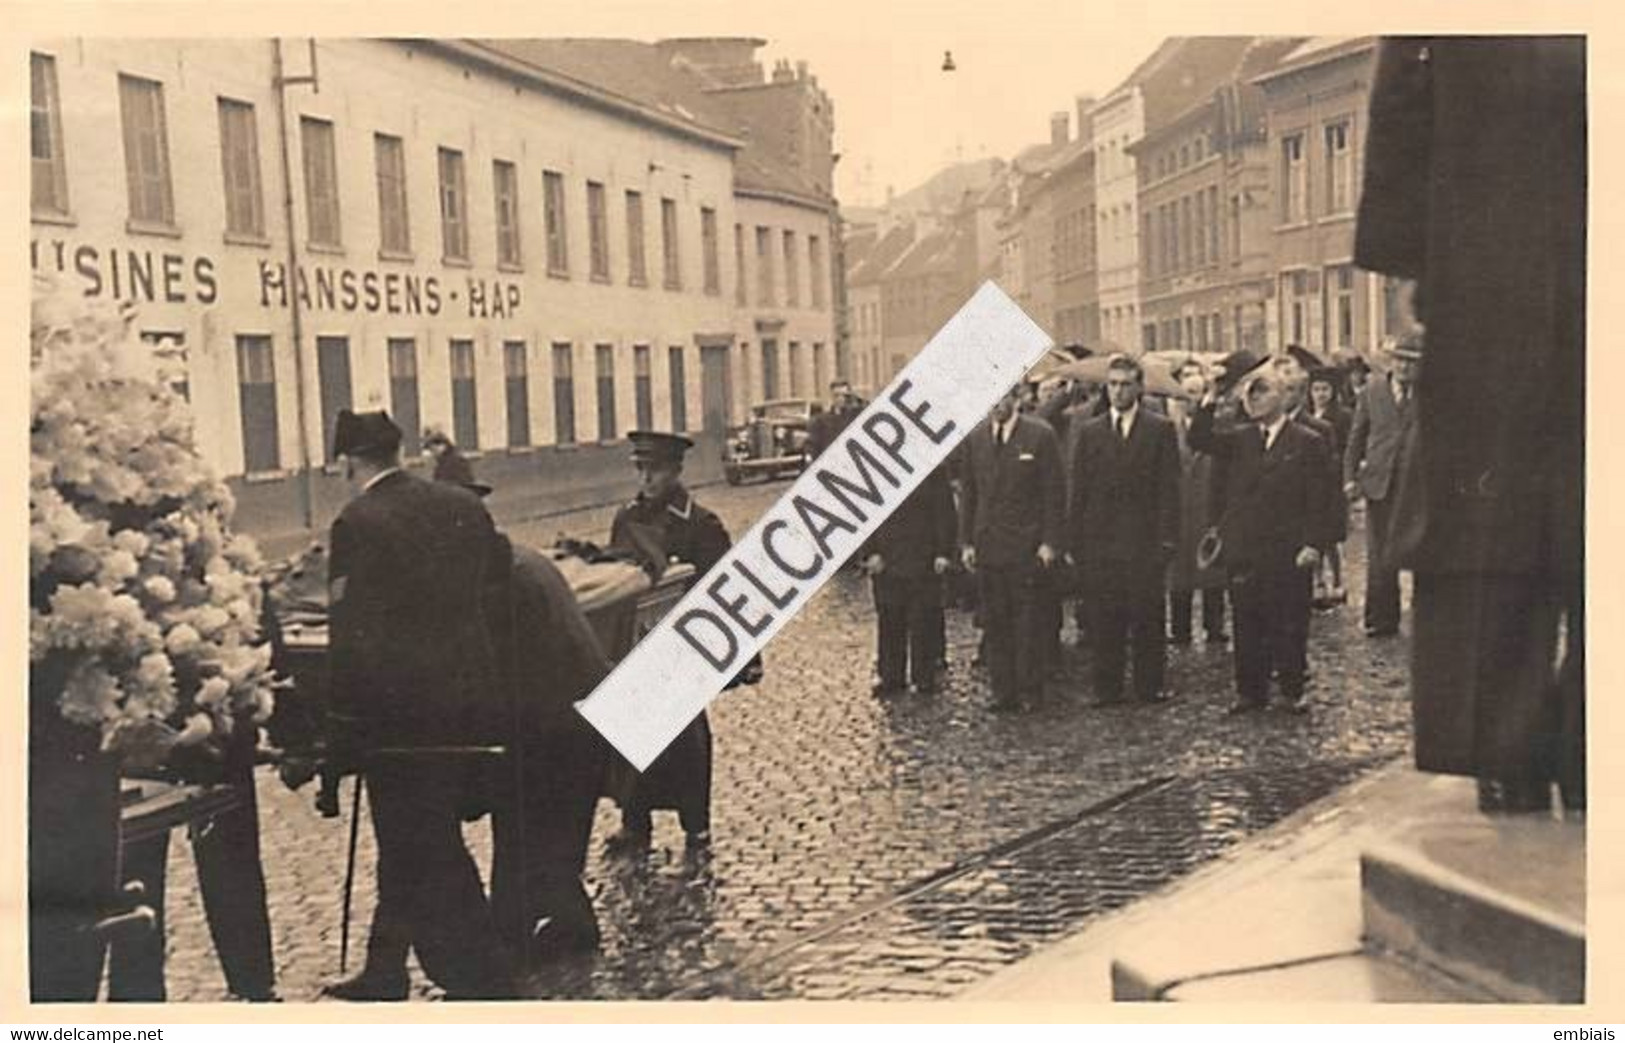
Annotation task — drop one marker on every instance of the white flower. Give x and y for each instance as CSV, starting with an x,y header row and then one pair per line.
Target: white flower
x,y
118,567
160,588
212,693
198,728
183,640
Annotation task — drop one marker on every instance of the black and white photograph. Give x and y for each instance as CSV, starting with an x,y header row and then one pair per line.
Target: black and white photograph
x,y
388,389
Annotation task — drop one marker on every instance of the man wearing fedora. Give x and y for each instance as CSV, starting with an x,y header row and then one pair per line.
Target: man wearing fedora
x,y
1381,439
664,523
414,689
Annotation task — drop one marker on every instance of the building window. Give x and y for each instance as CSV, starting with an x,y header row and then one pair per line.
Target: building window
x,y
1235,228
673,278
604,371
403,392
146,151
1294,180
764,267
1297,325
465,404
598,231
795,369
333,378
708,243
453,206
240,168
394,227
558,245
50,171
1188,239
1339,169
564,395
679,387
1199,230
321,181
739,266
1340,314
516,376
815,269
637,267
1211,225
642,386
505,183
792,271
820,372
770,368
256,386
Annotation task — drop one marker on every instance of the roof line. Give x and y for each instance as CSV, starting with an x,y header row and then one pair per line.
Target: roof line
x,y
570,85
1341,49
780,196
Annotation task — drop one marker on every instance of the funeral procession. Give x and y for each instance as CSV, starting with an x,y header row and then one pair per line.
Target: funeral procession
x,y
618,518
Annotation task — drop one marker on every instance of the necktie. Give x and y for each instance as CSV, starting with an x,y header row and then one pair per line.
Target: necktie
x,y
1264,437
1122,426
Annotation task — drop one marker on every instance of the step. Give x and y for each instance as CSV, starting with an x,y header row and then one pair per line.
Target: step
x,y
1497,903
1349,977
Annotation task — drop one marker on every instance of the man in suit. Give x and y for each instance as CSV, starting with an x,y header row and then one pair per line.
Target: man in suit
x,y
416,698
1124,528
1010,524
906,559
664,523
1275,526
1384,430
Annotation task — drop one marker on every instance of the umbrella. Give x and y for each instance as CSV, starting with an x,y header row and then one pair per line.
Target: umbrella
x,y
1159,380
1046,367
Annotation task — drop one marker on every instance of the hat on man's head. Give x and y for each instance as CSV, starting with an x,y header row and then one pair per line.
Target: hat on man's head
x,y
435,436
1326,375
656,447
1409,346
1232,368
365,433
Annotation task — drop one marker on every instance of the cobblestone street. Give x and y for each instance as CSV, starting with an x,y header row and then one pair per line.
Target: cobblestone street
x,y
899,849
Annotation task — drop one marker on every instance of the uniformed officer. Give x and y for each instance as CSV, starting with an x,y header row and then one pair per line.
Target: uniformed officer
x,y
414,681
661,525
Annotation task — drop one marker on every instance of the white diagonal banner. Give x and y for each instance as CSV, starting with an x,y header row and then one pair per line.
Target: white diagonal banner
x,y
802,540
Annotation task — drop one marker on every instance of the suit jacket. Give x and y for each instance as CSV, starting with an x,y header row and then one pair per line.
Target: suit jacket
x,y
677,528
1276,502
1125,494
1374,439
1012,496
921,529
410,655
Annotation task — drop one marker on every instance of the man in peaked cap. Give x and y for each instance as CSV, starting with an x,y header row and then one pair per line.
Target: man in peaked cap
x,y
412,673
663,524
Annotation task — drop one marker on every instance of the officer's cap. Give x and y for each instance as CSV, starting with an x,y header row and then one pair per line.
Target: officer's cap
x,y
655,447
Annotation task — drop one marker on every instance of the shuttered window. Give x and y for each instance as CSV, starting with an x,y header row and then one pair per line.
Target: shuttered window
x,y
146,151
394,225
240,167
321,181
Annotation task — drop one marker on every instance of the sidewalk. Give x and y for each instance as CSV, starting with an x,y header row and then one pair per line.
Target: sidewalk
x,y
1285,917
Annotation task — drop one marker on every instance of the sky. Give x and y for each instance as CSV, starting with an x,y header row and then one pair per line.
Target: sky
x,y
898,117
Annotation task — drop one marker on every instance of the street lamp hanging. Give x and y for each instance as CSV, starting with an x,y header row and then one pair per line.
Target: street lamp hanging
x,y
948,61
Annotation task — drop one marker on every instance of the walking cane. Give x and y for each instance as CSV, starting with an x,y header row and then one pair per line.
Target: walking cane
x,y
349,877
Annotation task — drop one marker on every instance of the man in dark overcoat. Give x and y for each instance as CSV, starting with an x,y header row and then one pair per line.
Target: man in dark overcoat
x,y
906,559
1475,188
415,693
1384,425
665,523
1123,529
1275,524
1198,492
1011,522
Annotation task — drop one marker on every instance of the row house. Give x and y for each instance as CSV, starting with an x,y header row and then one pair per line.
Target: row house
x,y
1206,258
1315,100
537,284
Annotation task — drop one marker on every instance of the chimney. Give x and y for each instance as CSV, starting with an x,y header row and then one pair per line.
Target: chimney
x,y
1086,120
801,70
1058,128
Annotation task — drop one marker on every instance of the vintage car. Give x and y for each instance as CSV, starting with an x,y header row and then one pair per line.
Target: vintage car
x,y
772,442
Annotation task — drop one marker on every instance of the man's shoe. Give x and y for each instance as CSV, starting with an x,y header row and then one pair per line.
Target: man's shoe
x,y
369,987
1244,706
885,690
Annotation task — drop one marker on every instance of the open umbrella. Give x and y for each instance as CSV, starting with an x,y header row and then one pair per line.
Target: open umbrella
x,y
1159,380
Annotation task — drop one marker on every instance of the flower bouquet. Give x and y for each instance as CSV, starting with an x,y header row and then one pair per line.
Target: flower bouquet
x,y
144,607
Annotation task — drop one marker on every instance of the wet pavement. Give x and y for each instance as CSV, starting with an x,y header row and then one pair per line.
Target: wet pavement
x,y
870,849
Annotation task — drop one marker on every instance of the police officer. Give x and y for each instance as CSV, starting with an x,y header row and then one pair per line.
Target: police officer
x,y
415,691
664,524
